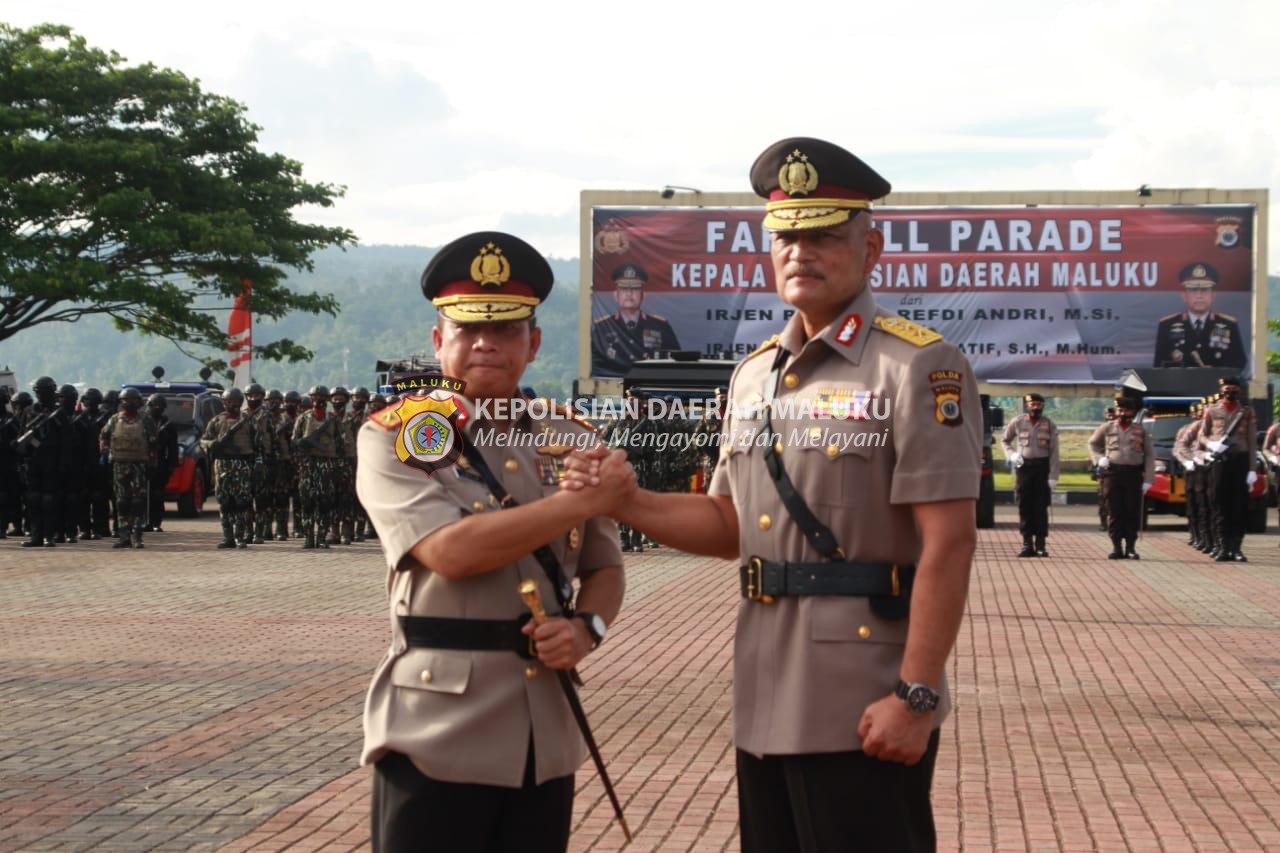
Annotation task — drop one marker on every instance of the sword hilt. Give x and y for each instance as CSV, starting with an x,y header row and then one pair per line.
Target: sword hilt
x,y
533,600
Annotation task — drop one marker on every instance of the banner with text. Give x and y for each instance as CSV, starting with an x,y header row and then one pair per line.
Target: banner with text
x,y
1044,294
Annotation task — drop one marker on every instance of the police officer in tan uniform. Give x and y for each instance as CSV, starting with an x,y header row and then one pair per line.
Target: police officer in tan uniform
x,y
1122,449
473,743
1188,454
845,490
1031,445
1230,435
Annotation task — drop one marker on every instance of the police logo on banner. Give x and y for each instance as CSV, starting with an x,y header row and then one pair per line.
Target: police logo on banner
x,y
430,432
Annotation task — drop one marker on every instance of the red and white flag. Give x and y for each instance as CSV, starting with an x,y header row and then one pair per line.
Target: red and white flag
x,y
240,332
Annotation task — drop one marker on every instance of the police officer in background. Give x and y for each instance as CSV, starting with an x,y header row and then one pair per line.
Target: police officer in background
x,y
1271,447
129,438
360,412
855,554
71,488
1103,482
1199,336
165,461
231,439
629,334
1122,449
315,449
95,520
477,749
263,485
1187,453
1031,446
1230,435
289,417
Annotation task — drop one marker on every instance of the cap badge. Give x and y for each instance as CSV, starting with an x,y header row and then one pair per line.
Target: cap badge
x,y
490,267
1199,271
797,175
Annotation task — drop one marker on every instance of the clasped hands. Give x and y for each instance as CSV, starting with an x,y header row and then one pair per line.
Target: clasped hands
x,y
603,476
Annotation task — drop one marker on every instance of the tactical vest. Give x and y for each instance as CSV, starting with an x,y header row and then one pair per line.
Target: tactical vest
x,y
129,441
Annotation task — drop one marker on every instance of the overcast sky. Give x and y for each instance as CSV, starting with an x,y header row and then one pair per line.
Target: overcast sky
x,y
443,118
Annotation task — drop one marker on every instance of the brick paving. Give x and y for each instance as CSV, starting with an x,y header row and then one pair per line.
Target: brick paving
x,y
184,698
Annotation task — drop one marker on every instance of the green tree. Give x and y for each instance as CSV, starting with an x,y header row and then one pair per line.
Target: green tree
x,y
130,192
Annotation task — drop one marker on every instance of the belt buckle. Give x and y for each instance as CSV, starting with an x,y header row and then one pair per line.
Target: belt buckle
x,y
894,581
755,582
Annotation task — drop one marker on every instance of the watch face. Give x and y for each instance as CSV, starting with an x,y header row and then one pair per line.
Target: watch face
x,y
598,627
921,699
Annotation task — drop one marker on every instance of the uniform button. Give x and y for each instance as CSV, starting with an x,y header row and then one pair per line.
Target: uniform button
x,y
511,465
833,451
765,522
777,447
425,677
791,380
864,632
531,671
478,506
727,451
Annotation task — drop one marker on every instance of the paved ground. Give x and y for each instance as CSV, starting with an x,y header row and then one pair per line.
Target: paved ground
x,y
182,698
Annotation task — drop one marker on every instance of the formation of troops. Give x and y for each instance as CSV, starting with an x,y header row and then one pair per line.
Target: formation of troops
x,y
94,466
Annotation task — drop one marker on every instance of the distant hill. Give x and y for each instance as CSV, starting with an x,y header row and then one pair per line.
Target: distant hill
x,y
383,316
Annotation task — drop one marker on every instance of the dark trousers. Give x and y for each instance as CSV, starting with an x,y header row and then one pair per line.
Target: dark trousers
x,y
1124,502
835,802
1031,490
1229,497
1204,507
413,812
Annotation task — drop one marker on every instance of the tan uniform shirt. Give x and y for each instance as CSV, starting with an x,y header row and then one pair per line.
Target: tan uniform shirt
x,y
465,716
876,424
1131,446
1244,437
1271,442
1186,444
1033,439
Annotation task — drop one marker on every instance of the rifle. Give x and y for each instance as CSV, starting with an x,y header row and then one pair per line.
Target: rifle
x,y
215,446
32,438
1215,455
311,441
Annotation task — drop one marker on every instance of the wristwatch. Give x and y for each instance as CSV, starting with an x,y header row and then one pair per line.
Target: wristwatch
x,y
920,698
595,626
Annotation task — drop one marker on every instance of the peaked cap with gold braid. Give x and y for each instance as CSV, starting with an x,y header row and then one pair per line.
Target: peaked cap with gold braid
x,y
487,277
810,183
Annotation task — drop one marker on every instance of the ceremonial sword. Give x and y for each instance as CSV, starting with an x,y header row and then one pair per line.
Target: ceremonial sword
x,y
532,600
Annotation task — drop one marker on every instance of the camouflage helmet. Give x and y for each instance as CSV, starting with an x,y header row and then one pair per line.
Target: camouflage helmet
x,y
233,395
275,395
157,401
131,394
45,383
92,396
318,391
293,397
255,390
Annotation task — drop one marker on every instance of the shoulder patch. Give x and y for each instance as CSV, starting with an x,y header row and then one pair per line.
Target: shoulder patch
x,y
767,345
389,417
912,333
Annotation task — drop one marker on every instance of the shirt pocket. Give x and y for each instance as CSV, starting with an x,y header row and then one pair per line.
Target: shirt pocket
x,y
433,671
830,460
850,619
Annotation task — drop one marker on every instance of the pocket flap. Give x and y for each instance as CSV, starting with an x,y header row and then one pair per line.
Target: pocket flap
x,y
841,619
436,670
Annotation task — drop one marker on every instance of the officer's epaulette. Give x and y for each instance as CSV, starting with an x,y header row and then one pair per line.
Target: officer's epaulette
x,y
767,345
912,333
1175,315
388,418
658,317
1226,317
568,414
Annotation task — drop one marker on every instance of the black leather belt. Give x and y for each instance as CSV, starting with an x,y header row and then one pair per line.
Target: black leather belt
x,y
475,635
764,580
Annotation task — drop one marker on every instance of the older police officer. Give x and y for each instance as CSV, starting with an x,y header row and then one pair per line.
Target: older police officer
x,y
846,489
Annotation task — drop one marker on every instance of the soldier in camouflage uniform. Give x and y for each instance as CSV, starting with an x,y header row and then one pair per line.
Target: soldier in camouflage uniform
x,y
232,441
129,437
282,473
360,413
314,451
292,405
344,470
262,481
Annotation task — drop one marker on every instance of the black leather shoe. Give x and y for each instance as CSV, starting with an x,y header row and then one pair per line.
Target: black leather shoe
x,y
1224,557
1027,551
1116,555
1131,555
1240,557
